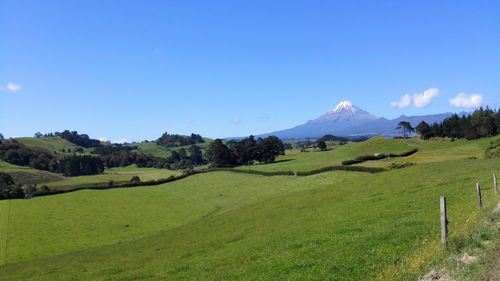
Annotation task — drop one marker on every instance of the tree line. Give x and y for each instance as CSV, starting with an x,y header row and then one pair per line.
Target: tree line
x,y
17,153
117,155
171,140
483,122
245,151
120,156
82,140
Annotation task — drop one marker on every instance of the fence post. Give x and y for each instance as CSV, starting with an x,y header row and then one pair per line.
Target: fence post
x,y
495,187
479,200
444,221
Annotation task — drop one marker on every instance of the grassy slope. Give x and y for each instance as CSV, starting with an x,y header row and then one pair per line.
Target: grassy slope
x,y
295,160
121,174
231,226
91,218
341,226
51,144
27,175
438,150
153,149
429,151
4,215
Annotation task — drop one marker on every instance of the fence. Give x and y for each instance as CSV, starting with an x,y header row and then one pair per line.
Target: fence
x,y
443,209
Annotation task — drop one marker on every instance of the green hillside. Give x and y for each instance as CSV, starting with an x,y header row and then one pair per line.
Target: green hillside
x,y
53,144
156,150
27,175
428,151
227,226
117,175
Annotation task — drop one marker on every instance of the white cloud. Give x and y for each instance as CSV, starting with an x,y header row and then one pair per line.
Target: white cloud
x,y
122,141
464,100
424,99
13,87
103,139
404,102
418,100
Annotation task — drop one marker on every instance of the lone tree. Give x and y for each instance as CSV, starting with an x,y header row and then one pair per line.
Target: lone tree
x,y
322,145
135,179
405,128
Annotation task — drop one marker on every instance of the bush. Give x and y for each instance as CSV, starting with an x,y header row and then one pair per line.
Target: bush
x,y
135,179
8,188
493,151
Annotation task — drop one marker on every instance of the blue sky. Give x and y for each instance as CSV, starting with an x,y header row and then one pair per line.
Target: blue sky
x,y
135,69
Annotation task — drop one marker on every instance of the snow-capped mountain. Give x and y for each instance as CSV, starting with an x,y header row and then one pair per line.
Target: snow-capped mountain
x,y
345,111
348,120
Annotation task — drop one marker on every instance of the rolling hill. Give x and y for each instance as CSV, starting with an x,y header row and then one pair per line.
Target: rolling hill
x,y
230,226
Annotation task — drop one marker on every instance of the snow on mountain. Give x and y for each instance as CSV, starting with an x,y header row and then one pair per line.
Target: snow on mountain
x,y
348,120
344,111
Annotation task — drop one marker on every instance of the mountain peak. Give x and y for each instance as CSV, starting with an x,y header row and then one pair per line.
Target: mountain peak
x,y
345,111
347,105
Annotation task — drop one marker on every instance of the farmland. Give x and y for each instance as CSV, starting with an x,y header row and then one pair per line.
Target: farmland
x,y
53,144
429,151
115,175
157,150
226,226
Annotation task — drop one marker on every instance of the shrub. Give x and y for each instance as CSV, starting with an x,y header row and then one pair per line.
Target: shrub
x,y
493,151
135,179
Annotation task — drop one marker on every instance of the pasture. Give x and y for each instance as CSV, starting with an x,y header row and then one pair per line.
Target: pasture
x,y
115,175
227,226
429,151
153,149
51,144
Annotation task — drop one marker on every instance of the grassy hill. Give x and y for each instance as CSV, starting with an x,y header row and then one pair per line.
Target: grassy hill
x,y
156,150
117,175
52,144
227,226
429,151
27,175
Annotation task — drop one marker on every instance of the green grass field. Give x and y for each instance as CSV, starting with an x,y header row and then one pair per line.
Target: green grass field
x,y
117,175
227,226
429,151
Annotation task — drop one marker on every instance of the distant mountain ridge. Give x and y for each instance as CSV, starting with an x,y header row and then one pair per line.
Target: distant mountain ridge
x,y
348,120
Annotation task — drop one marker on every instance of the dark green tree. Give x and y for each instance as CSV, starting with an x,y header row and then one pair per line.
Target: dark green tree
x,y
8,188
322,145
135,179
424,130
196,155
405,128
220,154
269,148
